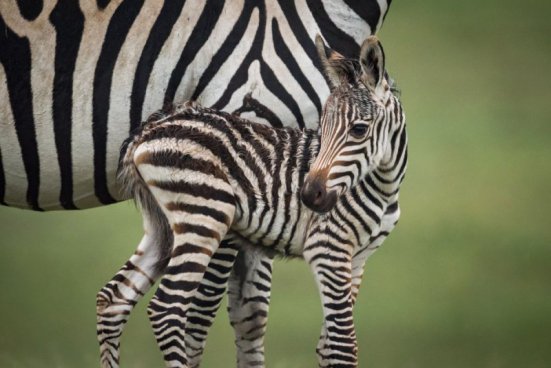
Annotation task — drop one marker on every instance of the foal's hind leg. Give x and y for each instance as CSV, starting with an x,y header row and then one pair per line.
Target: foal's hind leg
x,y
198,226
248,302
207,300
116,300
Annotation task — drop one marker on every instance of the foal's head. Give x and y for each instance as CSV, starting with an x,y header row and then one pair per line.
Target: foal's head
x,y
358,118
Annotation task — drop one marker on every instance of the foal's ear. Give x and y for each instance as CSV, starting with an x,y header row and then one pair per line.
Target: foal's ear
x,y
372,62
334,64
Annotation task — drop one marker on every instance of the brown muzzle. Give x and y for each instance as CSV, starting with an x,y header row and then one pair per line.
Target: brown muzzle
x,y
315,196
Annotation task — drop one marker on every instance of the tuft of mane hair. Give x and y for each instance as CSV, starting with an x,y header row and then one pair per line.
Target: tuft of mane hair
x,y
349,71
396,91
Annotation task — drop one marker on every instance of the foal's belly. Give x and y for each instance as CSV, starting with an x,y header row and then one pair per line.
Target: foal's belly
x,y
275,231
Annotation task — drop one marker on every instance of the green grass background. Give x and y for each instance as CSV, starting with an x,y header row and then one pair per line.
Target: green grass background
x,y
465,279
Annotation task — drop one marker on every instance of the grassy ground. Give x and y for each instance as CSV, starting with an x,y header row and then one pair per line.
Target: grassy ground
x,y
463,282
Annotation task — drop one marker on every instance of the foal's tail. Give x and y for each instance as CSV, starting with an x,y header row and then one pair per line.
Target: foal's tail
x,y
133,186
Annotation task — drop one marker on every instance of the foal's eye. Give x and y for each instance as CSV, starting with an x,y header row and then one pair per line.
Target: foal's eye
x,y
358,130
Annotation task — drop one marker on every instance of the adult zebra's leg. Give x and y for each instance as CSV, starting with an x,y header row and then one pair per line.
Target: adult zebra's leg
x,y
117,298
248,302
332,272
196,239
207,300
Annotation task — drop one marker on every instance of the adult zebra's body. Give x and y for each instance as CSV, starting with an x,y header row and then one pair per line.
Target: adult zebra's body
x,y
75,77
200,175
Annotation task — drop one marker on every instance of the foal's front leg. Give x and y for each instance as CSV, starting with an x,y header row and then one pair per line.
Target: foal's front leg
x,y
358,267
331,266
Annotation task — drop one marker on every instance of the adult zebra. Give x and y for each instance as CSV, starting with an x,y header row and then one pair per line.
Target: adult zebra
x,y
77,77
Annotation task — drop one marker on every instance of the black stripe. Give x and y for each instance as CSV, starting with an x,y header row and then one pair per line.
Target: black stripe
x,y
159,33
170,299
337,39
186,266
250,133
378,189
182,285
339,175
290,165
195,190
352,211
367,210
272,83
401,172
330,258
221,268
30,9
68,21
276,182
346,164
200,34
250,104
102,4
302,165
2,182
212,143
287,57
241,75
301,34
391,208
15,55
309,154
203,231
367,10
365,190
227,48
384,180
181,161
343,219
225,123
118,28
402,135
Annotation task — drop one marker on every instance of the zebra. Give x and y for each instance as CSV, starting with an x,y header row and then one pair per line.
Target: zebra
x,y
200,175
77,77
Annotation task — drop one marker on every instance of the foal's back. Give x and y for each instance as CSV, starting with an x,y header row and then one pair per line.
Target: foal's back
x,y
243,174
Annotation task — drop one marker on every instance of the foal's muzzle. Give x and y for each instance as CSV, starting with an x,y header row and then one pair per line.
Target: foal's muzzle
x,y
315,196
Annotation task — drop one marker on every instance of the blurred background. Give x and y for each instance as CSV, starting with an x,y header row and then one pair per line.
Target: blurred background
x,y
463,281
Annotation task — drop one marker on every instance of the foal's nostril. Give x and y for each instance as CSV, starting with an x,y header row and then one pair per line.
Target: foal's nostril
x,y
314,194
319,194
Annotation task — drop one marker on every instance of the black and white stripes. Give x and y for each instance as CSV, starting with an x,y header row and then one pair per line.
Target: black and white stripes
x,y
77,77
205,176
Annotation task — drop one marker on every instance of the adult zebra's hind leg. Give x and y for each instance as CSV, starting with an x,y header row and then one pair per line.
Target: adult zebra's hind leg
x,y
249,291
117,298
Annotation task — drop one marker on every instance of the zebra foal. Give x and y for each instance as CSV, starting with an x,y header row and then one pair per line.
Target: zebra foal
x,y
201,176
